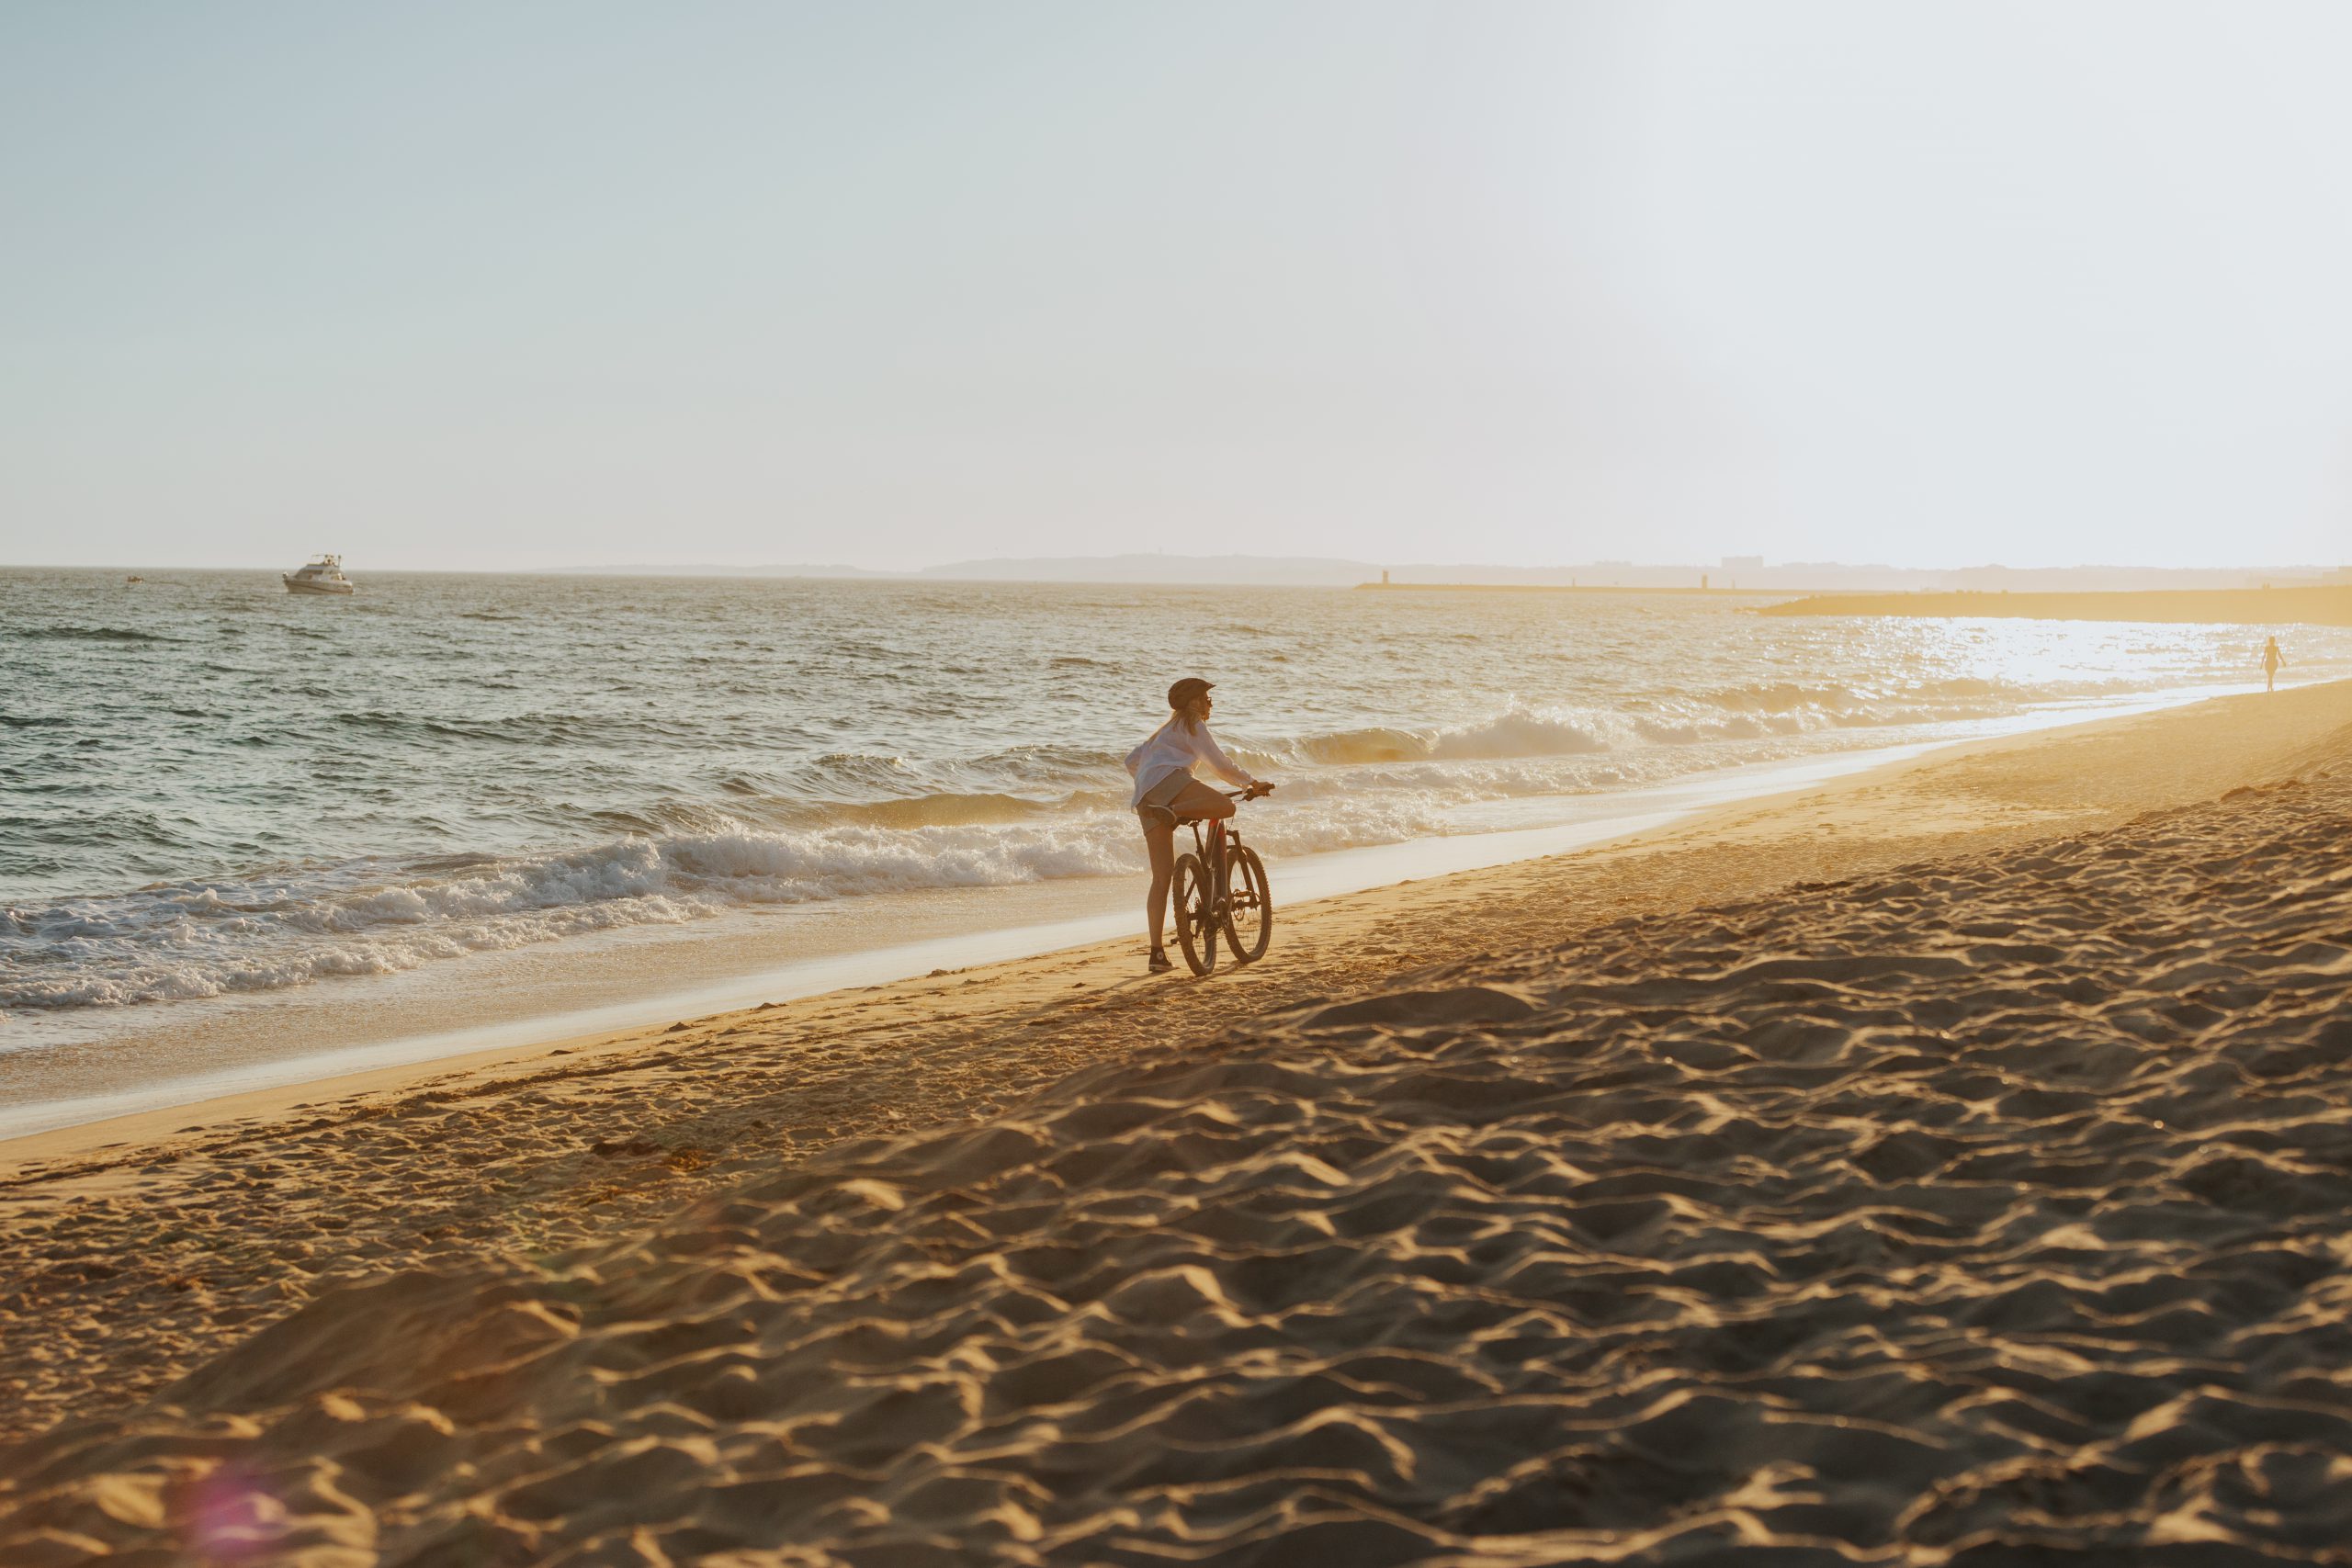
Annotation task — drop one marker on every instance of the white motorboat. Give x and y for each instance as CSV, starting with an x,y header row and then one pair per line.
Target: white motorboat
x,y
323,575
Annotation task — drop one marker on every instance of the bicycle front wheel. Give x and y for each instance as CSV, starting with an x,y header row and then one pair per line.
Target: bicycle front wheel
x,y
1196,892
1249,907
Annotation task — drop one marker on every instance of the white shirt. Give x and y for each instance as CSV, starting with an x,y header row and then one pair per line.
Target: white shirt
x,y
1175,748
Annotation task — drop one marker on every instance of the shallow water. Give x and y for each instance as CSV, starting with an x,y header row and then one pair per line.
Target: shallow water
x,y
209,787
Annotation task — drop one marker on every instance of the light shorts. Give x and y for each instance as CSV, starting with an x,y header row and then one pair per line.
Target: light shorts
x,y
1156,800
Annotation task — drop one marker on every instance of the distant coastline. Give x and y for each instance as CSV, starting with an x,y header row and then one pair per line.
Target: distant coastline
x,y
1742,574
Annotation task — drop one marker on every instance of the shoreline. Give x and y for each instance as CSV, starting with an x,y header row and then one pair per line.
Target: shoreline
x,y
1694,590
2302,605
952,934
1795,813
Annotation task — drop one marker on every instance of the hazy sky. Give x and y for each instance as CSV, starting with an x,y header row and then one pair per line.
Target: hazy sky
x,y
513,285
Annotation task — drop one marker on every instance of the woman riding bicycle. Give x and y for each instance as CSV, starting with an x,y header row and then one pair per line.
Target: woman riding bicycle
x,y
1167,793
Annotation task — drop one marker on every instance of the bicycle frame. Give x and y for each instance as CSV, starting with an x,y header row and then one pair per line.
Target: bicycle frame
x,y
1211,851
1223,832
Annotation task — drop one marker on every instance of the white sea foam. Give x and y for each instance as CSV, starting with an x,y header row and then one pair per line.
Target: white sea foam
x,y
194,940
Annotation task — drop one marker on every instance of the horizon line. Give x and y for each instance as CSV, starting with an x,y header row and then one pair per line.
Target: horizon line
x,y
847,570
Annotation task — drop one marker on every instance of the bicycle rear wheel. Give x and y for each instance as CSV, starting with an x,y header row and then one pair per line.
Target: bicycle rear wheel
x,y
1250,905
1193,890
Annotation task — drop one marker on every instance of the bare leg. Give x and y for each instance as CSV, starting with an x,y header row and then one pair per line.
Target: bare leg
x,y
1161,843
1202,803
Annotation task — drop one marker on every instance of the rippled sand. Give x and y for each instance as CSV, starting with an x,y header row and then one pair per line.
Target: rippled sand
x,y
1983,1209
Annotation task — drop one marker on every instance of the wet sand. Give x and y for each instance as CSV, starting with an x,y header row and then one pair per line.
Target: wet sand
x,y
1943,1165
2320,605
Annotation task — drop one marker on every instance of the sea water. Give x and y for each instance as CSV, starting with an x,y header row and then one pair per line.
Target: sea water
x,y
211,788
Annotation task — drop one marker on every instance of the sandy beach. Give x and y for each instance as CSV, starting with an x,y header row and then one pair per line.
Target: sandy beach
x,y
1946,1165
2308,604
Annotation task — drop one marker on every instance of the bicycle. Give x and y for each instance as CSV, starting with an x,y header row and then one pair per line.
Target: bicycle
x,y
1222,885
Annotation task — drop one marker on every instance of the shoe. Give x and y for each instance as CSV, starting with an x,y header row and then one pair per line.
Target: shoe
x,y
1159,961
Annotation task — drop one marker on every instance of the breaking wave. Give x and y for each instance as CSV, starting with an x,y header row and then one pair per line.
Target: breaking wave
x,y
208,938
1516,733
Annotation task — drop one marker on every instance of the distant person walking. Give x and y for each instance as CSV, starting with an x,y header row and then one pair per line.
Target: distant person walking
x,y
1167,793
2272,662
